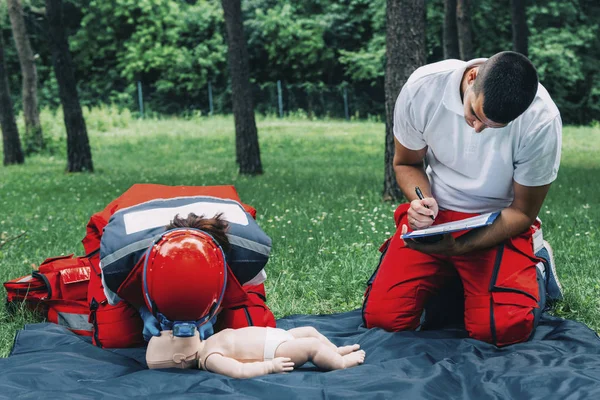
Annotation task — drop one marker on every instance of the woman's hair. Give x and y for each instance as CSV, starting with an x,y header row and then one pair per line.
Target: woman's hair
x,y
216,227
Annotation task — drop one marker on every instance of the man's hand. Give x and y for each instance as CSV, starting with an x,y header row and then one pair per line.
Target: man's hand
x,y
282,364
419,216
447,246
151,324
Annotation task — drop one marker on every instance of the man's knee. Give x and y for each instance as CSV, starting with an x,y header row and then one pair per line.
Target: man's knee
x,y
394,309
380,316
506,322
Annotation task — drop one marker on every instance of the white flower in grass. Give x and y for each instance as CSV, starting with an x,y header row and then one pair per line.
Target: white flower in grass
x,y
586,206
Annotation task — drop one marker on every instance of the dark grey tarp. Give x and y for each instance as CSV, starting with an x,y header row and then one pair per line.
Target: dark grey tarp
x,y
561,362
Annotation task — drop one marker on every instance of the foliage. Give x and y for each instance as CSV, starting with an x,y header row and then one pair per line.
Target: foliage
x,y
565,46
291,45
359,30
174,48
324,213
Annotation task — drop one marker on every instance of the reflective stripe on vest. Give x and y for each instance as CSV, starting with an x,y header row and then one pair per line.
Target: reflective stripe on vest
x,y
131,230
78,322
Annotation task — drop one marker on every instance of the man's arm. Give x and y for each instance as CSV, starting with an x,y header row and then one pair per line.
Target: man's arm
x,y
408,167
512,221
515,219
235,369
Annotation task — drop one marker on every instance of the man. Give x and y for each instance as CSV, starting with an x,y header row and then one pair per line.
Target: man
x,y
491,137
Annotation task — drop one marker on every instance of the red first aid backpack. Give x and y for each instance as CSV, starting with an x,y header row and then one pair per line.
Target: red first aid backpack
x,y
58,289
68,291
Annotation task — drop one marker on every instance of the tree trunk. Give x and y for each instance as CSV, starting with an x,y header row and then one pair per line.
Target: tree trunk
x,y
520,33
34,140
79,156
13,154
465,36
405,52
451,49
246,136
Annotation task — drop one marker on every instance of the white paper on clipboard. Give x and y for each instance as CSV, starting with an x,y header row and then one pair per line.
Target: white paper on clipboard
x,y
455,226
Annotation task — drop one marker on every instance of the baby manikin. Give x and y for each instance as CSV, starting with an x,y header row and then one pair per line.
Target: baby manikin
x,y
252,351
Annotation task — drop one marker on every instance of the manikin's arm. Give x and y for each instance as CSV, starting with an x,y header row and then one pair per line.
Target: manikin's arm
x,y
235,369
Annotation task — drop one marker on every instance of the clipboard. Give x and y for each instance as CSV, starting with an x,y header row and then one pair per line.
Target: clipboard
x,y
455,226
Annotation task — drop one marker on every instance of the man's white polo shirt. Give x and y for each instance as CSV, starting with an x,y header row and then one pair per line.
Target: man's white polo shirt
x,y
474,172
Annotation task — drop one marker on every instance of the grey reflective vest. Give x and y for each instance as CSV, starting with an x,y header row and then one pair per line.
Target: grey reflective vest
x,y
130,231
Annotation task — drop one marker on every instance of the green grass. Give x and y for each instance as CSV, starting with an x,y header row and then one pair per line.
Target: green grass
x,y
319,200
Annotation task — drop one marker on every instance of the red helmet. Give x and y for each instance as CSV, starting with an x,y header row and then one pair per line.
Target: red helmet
x,y
184,276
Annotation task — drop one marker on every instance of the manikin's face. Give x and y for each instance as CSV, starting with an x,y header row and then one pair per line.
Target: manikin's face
x,y
473,105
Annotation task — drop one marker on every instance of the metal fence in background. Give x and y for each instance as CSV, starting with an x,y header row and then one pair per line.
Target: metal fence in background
x,y
345,101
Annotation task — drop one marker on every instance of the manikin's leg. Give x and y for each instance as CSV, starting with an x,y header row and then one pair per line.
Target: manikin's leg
x,y
310,332
312,349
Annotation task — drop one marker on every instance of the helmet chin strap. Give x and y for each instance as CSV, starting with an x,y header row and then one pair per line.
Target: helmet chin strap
x,y
204,324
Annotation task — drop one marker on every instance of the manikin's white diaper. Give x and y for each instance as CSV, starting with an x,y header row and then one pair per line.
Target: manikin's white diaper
x,y
274,338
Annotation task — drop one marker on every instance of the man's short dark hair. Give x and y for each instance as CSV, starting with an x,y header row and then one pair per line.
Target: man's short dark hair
x,y
509,82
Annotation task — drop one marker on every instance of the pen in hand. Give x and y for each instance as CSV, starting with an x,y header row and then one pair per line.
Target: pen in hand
x,y
420,195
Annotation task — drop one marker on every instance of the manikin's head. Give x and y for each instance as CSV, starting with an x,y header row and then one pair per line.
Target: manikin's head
x,y
170,351
498,91
185,273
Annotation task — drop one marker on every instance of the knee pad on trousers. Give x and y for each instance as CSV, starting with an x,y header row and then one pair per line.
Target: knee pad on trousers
x,y
115,326
377,314
507,318
254,313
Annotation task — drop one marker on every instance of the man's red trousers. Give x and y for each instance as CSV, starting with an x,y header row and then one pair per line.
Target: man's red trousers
x,y
501,285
